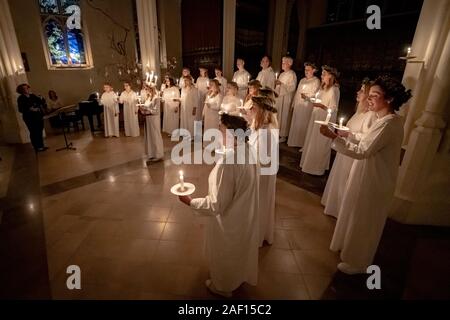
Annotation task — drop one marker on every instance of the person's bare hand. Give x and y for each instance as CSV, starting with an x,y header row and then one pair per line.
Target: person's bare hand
x,y
325,131
185,199
319,105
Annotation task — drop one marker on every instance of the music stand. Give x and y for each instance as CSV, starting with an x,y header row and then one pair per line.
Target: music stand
x,y
60,112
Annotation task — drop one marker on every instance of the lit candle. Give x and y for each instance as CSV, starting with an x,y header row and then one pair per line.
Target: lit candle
x,y
181,181
276,75
178,82
328,115
97,94
409,51
341,122
248,78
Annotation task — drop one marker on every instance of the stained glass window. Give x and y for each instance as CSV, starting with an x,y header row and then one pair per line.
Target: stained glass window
x,y
65,42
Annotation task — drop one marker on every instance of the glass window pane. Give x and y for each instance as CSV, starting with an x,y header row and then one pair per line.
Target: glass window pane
x,y
55,40
48,6
68,3
76,47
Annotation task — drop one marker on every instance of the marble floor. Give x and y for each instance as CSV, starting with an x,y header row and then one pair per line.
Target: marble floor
x,y
103,208
108,212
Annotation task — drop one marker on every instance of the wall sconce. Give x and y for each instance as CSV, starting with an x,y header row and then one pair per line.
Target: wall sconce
x,y
20,70
410,58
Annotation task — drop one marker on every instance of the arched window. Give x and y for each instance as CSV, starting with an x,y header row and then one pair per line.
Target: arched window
x,y
65,41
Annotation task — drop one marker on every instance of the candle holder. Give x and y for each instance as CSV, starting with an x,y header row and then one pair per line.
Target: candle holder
x,y
183,188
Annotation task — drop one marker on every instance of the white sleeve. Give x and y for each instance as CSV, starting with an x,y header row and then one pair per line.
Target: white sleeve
x,y
221,194
370,144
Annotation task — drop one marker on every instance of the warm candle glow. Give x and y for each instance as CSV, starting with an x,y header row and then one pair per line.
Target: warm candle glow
x,y
409,51
341,122
328,115
181,181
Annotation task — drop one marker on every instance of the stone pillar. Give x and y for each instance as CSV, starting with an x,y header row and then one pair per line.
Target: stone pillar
x,y
429,38
148,36
162,27
11,75
279,33
229,37
425,138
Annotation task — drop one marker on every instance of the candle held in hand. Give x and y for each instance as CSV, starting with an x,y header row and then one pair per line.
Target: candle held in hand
x,y
341,122
181,181
329,111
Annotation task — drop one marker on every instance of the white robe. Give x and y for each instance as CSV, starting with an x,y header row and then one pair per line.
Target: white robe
x,y
267,186
283,104
171,119
359,124
190,99
223,85
153,141
302,111
232,229
211,111
267,78
181,82
110,103
230,104
242,79
130,113
202,86
317,150
369,191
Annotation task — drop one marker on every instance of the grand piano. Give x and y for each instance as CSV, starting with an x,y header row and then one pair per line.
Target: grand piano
x,y
91,108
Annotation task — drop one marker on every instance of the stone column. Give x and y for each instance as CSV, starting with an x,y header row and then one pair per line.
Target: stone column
x,y
429,38
148,36
11,75
279,32
424,141
229,37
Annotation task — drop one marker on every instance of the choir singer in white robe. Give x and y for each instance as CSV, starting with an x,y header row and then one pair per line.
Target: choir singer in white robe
x,y
285,87
110,103
130,111
153,142
264,133
242,78
266,76
232,205
371,184
190,100
231,101
222,80
317,150
202,85
171,96
359,124
302,108
212,106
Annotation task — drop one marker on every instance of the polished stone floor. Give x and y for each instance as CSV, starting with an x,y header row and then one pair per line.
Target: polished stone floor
x,y
103,208
108,212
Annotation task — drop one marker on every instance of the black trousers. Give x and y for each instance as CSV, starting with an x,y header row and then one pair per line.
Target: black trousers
x,y
35,127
